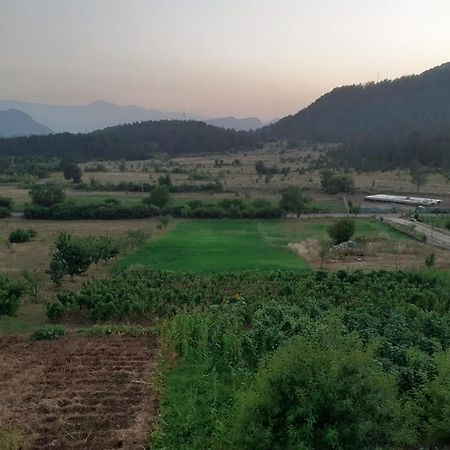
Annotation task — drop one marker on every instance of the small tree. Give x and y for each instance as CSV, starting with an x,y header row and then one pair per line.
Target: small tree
x,y
333,183
294,200
73,172
71,256
342,230
165,180
159,197
103,248
419,176
48,194
10,294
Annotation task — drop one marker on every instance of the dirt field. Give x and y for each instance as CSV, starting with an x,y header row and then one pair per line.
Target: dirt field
x,y
78,393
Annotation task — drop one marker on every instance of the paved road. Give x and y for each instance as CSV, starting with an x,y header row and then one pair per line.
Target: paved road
x,y
434,236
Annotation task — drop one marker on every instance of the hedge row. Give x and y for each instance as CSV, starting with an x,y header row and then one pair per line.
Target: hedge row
x,y
196,210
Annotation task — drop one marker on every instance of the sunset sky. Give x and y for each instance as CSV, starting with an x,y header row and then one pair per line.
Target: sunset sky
x,y
265,58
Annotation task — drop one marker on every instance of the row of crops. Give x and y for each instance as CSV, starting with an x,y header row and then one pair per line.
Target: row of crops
x,y
278,360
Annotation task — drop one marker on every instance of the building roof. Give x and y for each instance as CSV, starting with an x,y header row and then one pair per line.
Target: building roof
x,y
416,201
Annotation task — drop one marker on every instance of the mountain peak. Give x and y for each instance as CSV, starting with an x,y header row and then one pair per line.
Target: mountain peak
x,y
14,122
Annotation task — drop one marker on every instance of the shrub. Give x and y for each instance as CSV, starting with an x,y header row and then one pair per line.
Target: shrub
x,y
437,408
10,294
71,256
159,197
6,202
4,212
20,236
48,194
342,230
325,395
48,333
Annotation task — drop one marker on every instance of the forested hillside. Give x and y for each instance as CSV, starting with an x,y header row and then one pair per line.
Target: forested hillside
x,y
133,141
397,107
383,125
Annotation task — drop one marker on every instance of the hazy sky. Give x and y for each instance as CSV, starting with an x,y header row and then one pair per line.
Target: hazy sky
x,y
262,58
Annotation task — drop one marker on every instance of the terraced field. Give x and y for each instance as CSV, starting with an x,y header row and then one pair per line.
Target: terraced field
x,y
78,393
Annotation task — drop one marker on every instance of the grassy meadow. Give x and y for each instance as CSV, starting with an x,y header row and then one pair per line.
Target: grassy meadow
x,y
217,245
224,245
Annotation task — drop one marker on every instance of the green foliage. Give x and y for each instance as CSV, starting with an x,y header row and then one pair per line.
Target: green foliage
x,y
73,172
159,197
6,202
103,248
327,394
10,294
293,200
135,141
4,212
306,360
20,236
47,194
48,333
73,256
437,392
333,183
342,230
165,180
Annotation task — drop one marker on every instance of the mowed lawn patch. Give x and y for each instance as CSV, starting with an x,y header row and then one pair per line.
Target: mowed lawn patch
x,y
216,245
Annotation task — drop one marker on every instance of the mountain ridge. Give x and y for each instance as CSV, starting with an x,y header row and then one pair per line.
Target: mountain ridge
x,y
14,122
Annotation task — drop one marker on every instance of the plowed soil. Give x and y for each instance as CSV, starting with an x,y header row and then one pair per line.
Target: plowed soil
x,y
78,393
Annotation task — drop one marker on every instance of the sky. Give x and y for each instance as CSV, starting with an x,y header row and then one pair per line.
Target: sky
x,y
264,58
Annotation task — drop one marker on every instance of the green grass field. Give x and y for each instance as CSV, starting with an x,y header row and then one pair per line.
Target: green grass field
x,y
216,245
221,245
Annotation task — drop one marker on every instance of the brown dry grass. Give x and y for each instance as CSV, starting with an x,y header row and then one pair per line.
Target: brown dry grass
x,y
78,393
34,255
400,255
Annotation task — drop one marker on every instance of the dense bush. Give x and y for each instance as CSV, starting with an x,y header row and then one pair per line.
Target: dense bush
x,y
6,202
47,194
377,391
197,209
328,394
10,294
4,212
334,183
73,255
342,230
48,333
20,236
104,211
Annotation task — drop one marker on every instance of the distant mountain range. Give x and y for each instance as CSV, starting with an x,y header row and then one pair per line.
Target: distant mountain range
x,y
379,125
101,114
16,123
389,108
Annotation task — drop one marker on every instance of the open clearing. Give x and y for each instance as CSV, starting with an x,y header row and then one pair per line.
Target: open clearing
x,y
221,245
78,393
216,245
34,255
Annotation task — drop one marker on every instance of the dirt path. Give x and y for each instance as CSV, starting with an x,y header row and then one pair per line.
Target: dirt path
x,y
434,236
78,393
